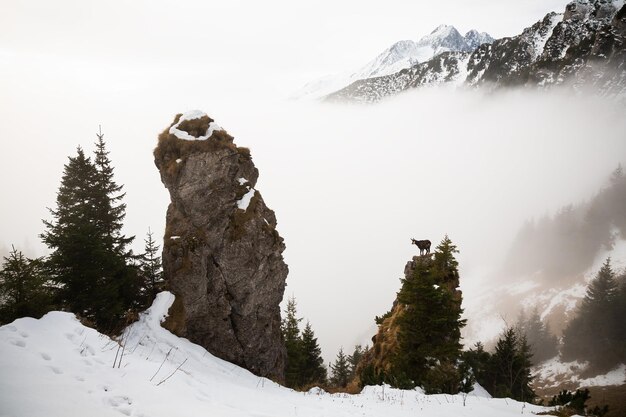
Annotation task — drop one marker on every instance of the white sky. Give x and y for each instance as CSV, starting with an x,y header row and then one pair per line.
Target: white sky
x,y
350,185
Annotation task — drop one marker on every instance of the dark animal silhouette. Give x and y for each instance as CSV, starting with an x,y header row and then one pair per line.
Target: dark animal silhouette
x,y
423,245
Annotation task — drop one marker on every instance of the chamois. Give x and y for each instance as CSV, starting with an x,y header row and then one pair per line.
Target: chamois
x,y
423,245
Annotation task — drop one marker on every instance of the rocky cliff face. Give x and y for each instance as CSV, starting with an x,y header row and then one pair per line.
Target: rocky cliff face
x,y
222,255
584,47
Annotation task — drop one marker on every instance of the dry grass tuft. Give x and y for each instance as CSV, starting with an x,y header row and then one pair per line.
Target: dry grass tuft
x,y
175,321
196,127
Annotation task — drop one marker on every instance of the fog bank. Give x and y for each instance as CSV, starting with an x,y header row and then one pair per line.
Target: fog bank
x,y
350,184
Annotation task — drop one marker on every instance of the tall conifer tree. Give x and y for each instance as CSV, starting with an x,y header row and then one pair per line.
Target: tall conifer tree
x,y
593,335
89,257
313,370
73,237
543,343
509,367
111,209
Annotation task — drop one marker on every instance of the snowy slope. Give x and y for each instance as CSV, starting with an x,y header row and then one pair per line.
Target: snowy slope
x,y
55,366
553,373
401,55
556,303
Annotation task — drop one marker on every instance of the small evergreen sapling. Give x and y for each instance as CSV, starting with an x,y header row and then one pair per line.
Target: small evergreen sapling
x,y
23,288
340,370
151,269
293,344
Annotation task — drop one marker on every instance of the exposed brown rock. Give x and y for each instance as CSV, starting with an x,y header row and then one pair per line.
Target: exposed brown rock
x,y
222,255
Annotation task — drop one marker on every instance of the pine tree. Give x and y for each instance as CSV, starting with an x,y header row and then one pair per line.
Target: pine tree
x,y
522,389
293,343
543,343
430,326
593,334
620,313
509,367
151,268
95,273
111,209
354,359
313,370
340,370
122,270
23,288
602,291
73,236
476,362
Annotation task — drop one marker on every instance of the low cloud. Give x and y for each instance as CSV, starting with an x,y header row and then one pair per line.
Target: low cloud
x,y
350,184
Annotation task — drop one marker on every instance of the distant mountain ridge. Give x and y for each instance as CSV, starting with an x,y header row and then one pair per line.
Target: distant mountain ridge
x,y
584,46
401,55
405,54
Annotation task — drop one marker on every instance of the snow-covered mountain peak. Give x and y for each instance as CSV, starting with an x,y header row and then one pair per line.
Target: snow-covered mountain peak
x,y
474,38
443,30
406,53
444,37
401,55
402,46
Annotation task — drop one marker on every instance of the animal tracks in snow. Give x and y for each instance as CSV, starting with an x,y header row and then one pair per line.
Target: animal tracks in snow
x,y
121,403
56,370
19,343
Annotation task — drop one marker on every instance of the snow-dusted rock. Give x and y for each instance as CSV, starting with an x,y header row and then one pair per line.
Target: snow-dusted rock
x,y
222,255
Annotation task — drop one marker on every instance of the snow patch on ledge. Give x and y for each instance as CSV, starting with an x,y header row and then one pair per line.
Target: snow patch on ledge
x,y
192,115
245,200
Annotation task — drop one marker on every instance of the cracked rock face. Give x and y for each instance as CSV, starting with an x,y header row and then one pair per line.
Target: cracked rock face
x,y
222,255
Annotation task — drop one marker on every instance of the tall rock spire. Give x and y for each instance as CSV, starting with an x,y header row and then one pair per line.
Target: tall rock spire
x,y
222,255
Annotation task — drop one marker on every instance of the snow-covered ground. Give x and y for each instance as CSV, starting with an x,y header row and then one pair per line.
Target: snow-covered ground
x,y
55,366
554,373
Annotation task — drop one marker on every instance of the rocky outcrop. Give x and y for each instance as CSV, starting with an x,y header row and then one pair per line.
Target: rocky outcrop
x,y
222,255
378,364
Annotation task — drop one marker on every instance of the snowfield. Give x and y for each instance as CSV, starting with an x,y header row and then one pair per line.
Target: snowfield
x,y
55,366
